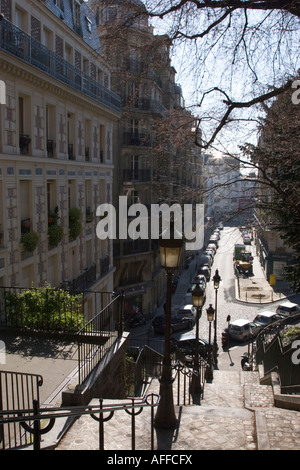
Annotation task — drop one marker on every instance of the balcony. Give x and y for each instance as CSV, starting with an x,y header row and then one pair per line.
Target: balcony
x,y
104,265
136,139
24,142
50,148
84,281
141,176
145,104
19,44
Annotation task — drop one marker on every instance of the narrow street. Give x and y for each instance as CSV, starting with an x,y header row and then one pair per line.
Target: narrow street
x,y
227,304
226,300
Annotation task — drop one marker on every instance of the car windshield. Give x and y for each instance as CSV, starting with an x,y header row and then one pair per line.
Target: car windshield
x,y
263,319
234,327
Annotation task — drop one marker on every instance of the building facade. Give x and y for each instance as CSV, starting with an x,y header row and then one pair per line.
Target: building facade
x,y
56,147
146,170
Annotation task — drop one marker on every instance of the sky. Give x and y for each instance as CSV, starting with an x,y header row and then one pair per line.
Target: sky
x,y
243,63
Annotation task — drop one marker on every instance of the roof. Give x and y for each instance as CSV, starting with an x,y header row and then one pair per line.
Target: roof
x,y
266,313
240,322
288,304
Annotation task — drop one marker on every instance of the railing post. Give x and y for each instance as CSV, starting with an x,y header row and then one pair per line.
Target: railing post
x,y
133,415
101,421
36,427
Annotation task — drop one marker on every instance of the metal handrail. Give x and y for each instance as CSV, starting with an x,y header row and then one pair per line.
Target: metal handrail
x,y
37,414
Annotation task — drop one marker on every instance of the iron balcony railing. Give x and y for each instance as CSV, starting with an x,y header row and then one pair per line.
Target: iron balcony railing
x,y
19,44
137,175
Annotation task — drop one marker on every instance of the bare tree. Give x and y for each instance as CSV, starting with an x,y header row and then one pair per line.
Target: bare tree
x,y
238,54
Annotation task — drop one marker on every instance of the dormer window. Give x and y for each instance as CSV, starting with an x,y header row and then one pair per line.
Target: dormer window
x,y
88,24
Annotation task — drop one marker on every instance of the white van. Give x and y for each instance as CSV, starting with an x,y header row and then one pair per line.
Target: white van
x,y
242,330
188,311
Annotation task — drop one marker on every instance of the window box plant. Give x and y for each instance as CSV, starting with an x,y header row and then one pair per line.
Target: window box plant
x,y
74,222
30,240
55,234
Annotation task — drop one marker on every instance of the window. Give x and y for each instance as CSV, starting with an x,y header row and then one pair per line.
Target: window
x,y
24,121
71,136
47,38
50,130
109,15
25,206
134,167
69,53
88,24
21,19
87,139
134,196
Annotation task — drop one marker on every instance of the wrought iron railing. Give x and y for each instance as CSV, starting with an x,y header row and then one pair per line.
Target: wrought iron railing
x,y
17,392
148,365
16,42
97,337
30,418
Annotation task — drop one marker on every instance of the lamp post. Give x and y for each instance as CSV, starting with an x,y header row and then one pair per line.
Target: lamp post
x,y
170,252
216,281
210,317
197,295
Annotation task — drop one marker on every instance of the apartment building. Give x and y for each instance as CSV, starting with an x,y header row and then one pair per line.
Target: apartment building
x,y
145,152
56,147
223,189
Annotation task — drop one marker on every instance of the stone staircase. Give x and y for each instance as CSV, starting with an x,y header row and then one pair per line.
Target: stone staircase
x,y
236,413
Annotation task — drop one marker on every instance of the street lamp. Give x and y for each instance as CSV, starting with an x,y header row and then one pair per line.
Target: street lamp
x,y
210,317
170,252
216,280
197,295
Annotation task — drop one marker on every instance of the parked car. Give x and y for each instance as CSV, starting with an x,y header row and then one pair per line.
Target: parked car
x,y
188,299
247,240
288,308
188,311
266,318
187,343
178,322
214,241
220,226
201,279
242,330
210,253
212,246
205,259
205,270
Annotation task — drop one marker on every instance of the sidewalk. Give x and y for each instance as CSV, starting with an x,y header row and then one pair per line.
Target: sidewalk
x,y
256,289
